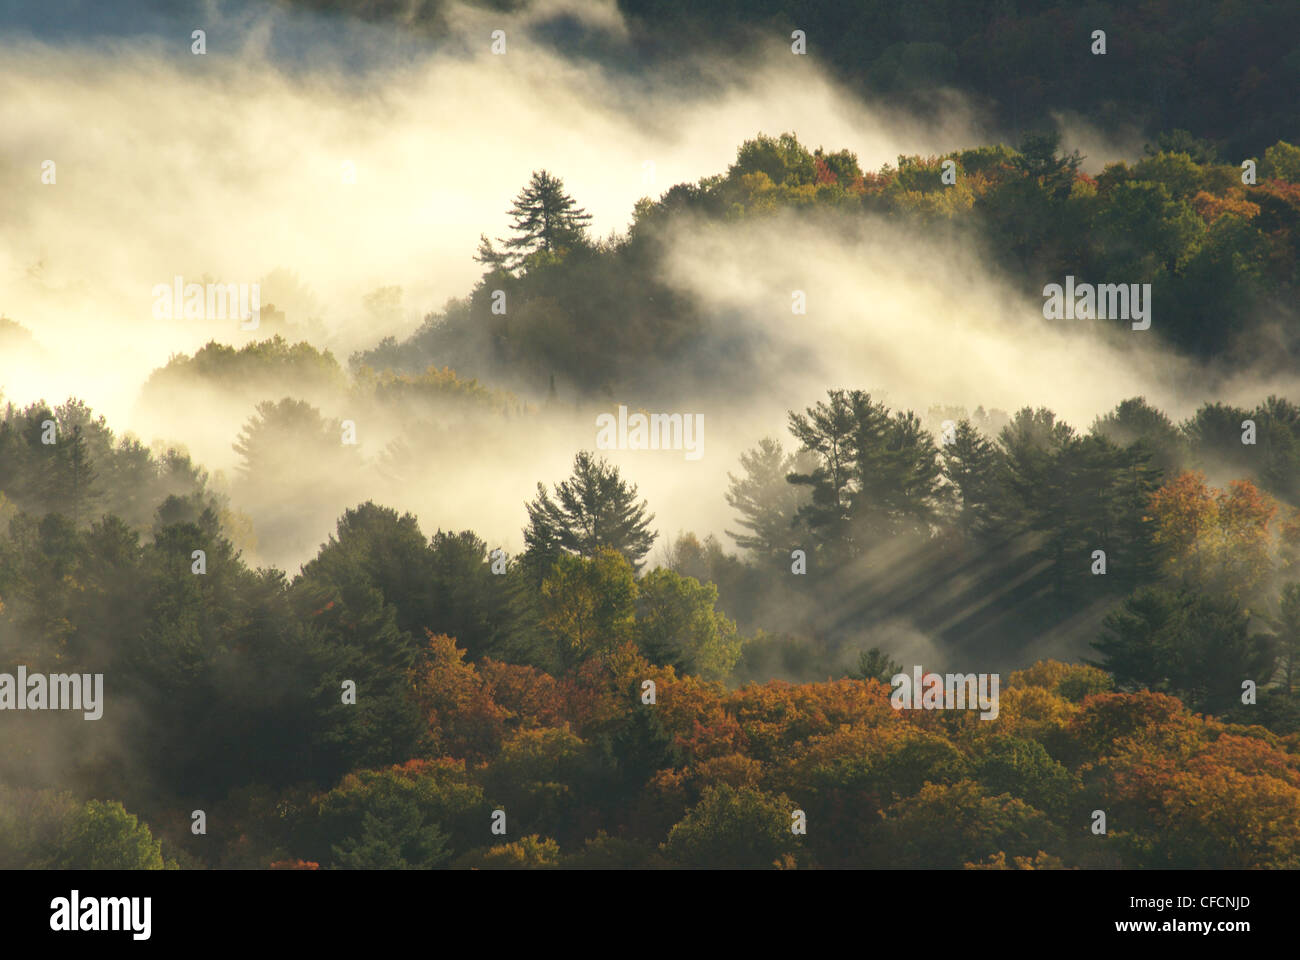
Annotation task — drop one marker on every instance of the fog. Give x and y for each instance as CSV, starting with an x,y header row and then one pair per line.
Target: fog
x,y
231,167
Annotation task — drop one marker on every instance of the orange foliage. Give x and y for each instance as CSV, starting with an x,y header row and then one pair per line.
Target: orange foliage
x,y
776,714
463,719
529,697
1103,721
1234,201
1214,538
1232,804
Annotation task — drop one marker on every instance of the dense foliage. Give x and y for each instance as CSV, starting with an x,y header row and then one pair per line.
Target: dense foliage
x,y
399,696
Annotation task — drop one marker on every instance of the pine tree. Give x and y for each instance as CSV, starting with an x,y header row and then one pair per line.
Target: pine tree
x,y
828,431
592,510
972,465
879,474
546,218
70,483
899,474
1286,637
488,255
766,501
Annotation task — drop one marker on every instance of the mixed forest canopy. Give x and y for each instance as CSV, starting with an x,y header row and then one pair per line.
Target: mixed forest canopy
x,y
1220,255
487,681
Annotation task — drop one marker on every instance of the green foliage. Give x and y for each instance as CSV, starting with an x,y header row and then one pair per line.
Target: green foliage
x,y
533,852
1136,421
1023,768
766,501
1282,160
547,221
736,828
411,817
543,778
783,160
947,826
587,605
1286,638
592,511
875,664
1180,141
394,838
233,678
677,626
1199,647
973,467
251,371
32,825
86,472
1219,254
103,836
877,475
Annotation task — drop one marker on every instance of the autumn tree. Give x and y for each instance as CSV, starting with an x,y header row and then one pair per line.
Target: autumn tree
x,y
948,825
461,718
1213,539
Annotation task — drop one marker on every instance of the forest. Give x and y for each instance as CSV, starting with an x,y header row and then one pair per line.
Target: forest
x,y
367,585
484,682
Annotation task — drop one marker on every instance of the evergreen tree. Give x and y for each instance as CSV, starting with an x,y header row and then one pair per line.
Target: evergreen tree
x,y
878,475
875,664
830,430
1033,444
1136,421
489,255
766,500
1137,479
546,218
973,466
899,475
1038,160
1196,646
73,477
1286,637
592,510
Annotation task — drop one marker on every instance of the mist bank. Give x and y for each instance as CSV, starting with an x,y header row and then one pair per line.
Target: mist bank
x,y
231,166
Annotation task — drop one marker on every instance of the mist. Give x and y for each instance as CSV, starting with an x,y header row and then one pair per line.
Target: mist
x,y
230,167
